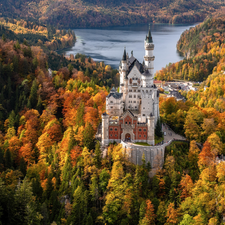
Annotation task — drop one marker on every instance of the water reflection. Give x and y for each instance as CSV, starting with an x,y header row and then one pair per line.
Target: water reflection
x,y
107,44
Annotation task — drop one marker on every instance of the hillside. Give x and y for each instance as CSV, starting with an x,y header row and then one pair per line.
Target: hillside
x,y
51,167
99,13
47,37
204,47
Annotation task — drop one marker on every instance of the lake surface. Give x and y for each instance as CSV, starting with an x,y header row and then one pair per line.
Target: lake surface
x,y
107,44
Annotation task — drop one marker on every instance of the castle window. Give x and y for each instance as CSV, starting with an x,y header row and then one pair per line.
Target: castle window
x,y
115,129
134,96
130,90
143,114
111,129
139,90
135,107
130,96
139,129
139,135
111,107
129,122
110,135
115,135
125,122
134,101
144,129
143,107
144,135
111,101
134,90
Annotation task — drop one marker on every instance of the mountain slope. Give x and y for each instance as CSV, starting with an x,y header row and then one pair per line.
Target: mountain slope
x,y
99,13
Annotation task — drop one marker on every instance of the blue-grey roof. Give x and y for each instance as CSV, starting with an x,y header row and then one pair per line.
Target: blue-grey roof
x,y
146,73
134,62
115,95
148,38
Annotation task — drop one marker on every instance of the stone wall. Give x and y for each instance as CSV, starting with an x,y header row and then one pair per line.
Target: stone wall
x,y
153,154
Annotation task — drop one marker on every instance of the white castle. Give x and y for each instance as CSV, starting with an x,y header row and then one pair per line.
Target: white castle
x,y
131,114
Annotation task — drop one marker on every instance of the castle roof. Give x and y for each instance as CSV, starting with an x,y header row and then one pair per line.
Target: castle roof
x,y
115,95
146,73
148,38
113,90
132,61
124,55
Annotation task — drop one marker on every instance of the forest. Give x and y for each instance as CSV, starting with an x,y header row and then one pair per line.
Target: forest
x,y
51,167
47,37
203,47
99,13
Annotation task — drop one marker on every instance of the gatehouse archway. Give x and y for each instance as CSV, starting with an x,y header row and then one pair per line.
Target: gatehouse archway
x,y
127,137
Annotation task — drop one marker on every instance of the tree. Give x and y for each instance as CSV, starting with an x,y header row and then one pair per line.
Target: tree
x,y
80,114
98,155
205,156
8,159
193,152
186,186
172,215
187,220
149,214
89,136
158,129
23,166
33,94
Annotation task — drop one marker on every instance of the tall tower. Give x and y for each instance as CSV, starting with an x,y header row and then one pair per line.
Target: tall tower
x,y
149,58
123,71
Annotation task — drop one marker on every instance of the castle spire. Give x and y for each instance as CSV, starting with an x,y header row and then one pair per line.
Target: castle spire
x,y
149,36
124,54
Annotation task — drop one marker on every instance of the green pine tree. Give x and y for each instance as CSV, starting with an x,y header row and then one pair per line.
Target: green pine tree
x,y
89,136
80,115
158,129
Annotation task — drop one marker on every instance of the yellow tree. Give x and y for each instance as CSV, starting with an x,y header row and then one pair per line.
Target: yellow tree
x,y
193,152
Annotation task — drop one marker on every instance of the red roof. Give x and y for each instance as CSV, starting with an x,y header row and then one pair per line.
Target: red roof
x,y
157,81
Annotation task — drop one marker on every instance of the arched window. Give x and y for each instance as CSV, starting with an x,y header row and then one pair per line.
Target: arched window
x,y
130,81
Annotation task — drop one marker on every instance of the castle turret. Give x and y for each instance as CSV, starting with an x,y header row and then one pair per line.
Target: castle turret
x,y
149,58
105,129
123,70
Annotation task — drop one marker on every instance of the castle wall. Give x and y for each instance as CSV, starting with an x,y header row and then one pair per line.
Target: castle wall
x,y
153,154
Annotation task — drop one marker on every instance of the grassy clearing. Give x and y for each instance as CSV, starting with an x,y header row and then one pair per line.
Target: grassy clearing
x,y
142,143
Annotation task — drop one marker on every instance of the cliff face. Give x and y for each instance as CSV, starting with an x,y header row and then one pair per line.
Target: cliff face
x,y
100,13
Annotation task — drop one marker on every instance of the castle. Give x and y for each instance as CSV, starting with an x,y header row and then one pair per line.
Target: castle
x,y
132,113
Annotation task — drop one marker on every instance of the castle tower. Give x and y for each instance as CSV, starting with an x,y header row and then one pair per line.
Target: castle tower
x,y
149,58
123,71
105,129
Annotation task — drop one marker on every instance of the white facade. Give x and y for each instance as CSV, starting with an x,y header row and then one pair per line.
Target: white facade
x,y
137,95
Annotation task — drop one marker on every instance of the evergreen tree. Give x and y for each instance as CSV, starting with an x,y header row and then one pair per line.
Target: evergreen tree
x,y
89,136
158,129
89,220
98,155
33,94
8,159
4,38
80,115
39,105
23,166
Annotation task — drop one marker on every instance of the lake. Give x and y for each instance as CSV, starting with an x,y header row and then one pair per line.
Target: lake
x,y
107,44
